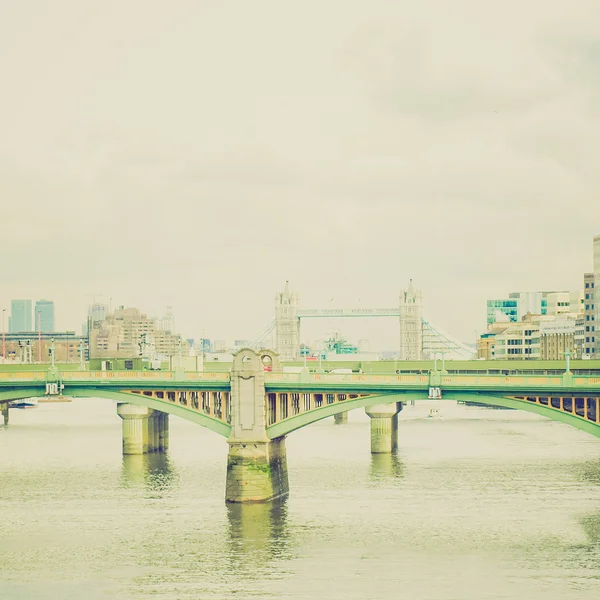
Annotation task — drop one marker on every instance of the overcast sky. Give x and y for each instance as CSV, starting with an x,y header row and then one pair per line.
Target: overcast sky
x,y
199,153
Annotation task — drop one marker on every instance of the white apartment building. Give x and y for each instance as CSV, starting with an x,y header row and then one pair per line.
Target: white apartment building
x,y
565,303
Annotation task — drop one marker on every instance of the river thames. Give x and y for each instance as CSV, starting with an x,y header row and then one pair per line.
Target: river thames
x,y
478,504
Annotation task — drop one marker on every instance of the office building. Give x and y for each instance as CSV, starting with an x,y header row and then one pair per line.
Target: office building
x,y
128,333
596,293
20,316
34,347
516,306
44,316
589,315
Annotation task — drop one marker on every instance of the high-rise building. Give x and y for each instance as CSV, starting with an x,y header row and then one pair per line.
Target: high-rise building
x,y
167,323
20,316
588,314
596,293
126,332
516,306
44,316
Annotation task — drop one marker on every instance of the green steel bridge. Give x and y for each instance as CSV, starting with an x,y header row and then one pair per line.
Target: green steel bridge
x,y
256,404
294,400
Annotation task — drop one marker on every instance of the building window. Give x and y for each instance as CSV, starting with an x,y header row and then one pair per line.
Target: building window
x,y
129,365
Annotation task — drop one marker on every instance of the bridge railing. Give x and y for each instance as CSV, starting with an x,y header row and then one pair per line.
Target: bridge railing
x,y
75,376
483,381
22,375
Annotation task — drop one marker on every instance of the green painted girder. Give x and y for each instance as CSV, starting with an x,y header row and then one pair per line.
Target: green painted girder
x,y
165,406
366,388
296,422
124,384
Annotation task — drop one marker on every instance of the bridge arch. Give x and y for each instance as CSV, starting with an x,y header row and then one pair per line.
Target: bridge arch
x,y
138,399
296,422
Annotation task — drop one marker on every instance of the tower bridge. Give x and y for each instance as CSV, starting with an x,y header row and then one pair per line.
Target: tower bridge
x,y
256,405
418,338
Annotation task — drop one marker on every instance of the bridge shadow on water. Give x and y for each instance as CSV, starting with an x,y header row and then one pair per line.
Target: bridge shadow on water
x,y
151,471
257,532
385,467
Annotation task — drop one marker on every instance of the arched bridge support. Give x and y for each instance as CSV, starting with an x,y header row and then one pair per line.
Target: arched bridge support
x,y
256,465
144,429
384,427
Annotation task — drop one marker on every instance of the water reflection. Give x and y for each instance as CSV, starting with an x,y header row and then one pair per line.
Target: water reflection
x,y
590,471
591,526
152,471
386,466
257,532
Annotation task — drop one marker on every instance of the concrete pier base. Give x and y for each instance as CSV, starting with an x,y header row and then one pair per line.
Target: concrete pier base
x,y
144,430
256,472
384,427
4,413
135,427
341,418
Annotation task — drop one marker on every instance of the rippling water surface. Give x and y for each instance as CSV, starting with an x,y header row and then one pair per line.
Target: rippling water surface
x,y
478,504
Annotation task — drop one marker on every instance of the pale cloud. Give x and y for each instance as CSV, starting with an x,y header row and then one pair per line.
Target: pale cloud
x,y
200,153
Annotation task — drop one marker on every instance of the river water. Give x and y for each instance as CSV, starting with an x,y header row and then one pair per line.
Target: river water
x,y
479,504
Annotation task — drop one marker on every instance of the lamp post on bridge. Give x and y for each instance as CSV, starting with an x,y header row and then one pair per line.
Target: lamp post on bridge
x,y
567,354
435,355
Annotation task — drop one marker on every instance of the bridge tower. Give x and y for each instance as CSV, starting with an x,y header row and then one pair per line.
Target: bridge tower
x,y
256,464
411,323
287,324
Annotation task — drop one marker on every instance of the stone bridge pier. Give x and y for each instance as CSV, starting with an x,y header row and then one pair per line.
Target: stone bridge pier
x,y
4,413
384,427
256,465
144,430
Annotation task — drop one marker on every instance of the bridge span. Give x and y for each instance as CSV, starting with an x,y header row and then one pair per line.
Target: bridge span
x,y
256,405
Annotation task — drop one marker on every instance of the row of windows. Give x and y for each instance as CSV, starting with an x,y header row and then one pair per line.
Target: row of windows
x,y
589,285
589,307
520,351
588,328
587,318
